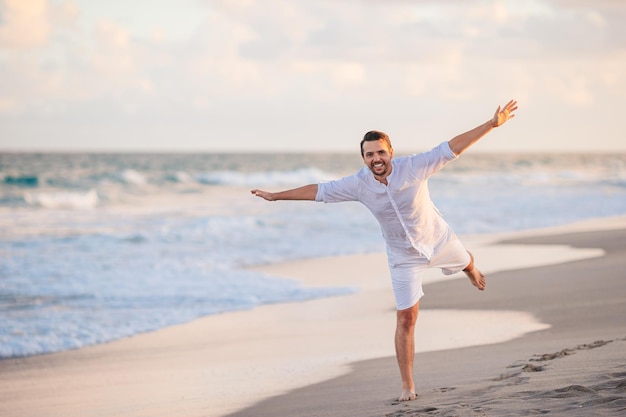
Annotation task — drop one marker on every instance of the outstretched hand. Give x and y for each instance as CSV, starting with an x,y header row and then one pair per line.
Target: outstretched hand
x,y
502,115
263,194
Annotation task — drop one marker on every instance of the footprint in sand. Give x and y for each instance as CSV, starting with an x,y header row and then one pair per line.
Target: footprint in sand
x,y
529,367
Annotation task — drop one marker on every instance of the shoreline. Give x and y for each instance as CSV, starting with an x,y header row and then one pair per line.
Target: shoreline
x,y
577,367
221,364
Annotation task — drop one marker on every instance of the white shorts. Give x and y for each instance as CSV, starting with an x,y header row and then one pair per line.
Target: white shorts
x,y
407,269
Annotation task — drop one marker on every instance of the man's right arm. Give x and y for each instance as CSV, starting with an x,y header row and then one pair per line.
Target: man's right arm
x,y
307,192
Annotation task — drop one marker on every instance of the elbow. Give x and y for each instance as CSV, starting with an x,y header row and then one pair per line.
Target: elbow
x,y
457,150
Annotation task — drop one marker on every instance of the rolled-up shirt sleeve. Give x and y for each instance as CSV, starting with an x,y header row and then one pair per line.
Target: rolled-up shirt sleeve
x,y
344,189
427,163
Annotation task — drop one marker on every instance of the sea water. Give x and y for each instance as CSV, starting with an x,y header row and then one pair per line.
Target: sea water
x,y
96,247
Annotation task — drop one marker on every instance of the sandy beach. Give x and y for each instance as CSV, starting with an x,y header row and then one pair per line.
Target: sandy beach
x,y
547,336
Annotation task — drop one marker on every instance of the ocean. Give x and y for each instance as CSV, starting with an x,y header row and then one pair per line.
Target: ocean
x,y
97,247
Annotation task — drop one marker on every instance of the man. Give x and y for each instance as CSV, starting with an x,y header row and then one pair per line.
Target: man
x,y
416,236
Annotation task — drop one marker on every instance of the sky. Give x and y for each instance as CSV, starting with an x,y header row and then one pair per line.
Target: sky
x,y
309,75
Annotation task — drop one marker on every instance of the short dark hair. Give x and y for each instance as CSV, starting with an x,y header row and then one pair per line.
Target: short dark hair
x,y
374,135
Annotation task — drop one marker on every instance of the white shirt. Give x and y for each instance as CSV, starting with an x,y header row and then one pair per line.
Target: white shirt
x,y
406,214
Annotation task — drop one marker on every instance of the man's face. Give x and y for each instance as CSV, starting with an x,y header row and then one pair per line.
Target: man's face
x,y
377,156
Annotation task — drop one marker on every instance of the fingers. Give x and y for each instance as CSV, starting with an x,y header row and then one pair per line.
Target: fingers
x,y
504,113
511,106
263,194
508,109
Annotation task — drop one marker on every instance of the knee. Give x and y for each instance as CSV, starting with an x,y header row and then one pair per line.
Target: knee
x,y
407,318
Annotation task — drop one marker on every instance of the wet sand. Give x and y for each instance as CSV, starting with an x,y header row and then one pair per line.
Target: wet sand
x,y
577,367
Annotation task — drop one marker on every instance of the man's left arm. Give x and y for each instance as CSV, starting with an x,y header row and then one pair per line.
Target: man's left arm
x,y
460,143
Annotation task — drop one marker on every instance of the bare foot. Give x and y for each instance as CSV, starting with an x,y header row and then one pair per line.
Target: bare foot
x,y
407,396
476,277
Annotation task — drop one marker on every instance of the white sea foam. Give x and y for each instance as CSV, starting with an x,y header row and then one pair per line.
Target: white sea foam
x,y
130,176
63,199
182,176
269,178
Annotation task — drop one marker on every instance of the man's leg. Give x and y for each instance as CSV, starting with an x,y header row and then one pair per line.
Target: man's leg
x,y
405,349
476,277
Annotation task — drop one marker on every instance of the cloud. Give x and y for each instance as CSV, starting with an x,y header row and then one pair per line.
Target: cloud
x,y
25,23
113,56
204,63
249,49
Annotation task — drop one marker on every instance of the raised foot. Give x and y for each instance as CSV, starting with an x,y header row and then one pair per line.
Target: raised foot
x,y
407,396
476,277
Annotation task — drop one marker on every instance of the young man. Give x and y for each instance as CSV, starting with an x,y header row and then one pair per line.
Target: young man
x,y
416,236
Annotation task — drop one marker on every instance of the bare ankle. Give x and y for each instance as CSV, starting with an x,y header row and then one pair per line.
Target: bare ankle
x,y
470,265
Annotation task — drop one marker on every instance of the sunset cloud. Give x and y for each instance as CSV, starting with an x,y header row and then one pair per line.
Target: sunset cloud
x,y
171,62
25,24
